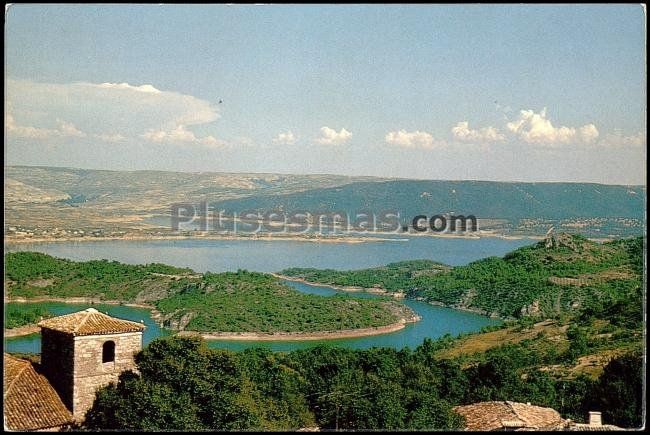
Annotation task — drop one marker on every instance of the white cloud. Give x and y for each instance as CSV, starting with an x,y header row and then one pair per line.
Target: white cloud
x,y
618,140
123,109
68,129
462,132
331,137
536,128
180,135
142,88
588,133
414,139
112,138
65,129
287,138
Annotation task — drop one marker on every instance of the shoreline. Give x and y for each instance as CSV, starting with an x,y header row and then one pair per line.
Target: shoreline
x,y
351,289
348,239
21,331
77,300
299,336
382,291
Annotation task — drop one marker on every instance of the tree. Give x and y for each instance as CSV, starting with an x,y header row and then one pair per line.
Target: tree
x,y
619,391
183,385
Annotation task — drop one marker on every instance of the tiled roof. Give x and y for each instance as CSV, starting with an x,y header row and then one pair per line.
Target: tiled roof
x,y
30,402
487,416
592,428
90,322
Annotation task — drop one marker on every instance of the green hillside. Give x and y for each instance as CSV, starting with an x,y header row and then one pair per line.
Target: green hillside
x,y
257,302
224,302
33,274
574,275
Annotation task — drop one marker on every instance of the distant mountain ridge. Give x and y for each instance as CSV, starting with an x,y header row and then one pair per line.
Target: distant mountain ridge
x,y
485,199
127,198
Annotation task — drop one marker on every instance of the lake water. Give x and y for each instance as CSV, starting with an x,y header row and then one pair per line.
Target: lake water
x,y
273,256
218,256
436,322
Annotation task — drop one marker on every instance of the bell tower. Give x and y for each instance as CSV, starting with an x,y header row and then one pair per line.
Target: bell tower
x,y
86,350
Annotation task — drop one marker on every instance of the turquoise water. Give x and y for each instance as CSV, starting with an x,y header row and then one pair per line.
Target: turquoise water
x,y
225,255
32,343
436,322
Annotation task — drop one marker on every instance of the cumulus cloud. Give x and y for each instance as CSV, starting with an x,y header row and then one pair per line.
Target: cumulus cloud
x,y
329,136
287,138
414,139
65,129
462,132
180,135
128,111
537,128
588,133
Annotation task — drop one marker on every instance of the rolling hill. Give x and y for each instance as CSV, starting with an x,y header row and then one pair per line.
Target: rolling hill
x,y
45,198
565,274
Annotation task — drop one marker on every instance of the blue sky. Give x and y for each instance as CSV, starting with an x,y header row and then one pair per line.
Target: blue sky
x,y
530,93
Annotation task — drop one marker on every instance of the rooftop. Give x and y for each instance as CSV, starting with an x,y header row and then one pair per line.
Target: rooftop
x,y
30,402
486,416
593,428
90,322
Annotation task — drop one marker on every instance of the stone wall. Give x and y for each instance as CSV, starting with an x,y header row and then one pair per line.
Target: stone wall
x,y
57,362
90,373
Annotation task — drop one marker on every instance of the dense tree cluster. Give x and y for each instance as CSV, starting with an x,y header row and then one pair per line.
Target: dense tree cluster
x,y
256,302
19,316
103,279
184,385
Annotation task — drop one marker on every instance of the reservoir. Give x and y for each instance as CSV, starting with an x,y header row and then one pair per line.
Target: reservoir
x,y
275,255
272,256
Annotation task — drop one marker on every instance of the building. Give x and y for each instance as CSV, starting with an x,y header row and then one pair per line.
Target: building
x,y
488,416
595,424
29,400
80,352
514,416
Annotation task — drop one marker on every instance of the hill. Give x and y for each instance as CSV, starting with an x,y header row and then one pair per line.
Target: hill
x,y
226,302
53,202
521,208
39,200
563,274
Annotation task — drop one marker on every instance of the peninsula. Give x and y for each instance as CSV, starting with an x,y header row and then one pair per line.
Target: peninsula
x,y
233,305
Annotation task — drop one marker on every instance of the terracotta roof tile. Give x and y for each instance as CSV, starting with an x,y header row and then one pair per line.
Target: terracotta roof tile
x,y
90,322
30,402
488,416
593,428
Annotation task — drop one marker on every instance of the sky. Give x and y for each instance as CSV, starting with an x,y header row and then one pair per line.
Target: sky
x,y
481,92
